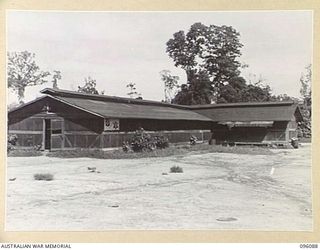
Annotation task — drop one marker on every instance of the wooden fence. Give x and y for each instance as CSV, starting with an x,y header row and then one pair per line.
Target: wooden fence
x,y
78,139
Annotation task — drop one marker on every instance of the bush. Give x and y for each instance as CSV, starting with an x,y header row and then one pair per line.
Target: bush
x,y
143,142
176,169
37,147
161,141
12,141
43,177
193,140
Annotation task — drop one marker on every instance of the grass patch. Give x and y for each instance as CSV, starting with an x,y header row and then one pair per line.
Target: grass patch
x,y
24,153
252,150
176,169
305,140
43,177
173,150
112,154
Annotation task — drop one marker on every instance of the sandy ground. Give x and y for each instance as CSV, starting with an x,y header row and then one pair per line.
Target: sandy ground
x,y
216,191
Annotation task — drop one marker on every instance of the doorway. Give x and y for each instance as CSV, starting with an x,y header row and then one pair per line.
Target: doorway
x,y
47,134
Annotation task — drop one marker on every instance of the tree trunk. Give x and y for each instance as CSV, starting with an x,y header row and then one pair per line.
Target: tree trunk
x,y
190,75
55,84
21,94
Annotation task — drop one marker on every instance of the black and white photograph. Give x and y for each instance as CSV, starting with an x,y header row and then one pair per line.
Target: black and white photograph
x,y
159,120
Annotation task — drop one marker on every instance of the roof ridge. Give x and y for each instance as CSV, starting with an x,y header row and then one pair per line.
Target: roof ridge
x,y
59,92
242,104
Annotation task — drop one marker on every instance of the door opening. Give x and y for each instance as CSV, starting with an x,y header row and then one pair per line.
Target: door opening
x,y
47,135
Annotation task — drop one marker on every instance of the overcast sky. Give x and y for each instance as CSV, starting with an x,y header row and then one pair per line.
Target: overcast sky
x,y
116,48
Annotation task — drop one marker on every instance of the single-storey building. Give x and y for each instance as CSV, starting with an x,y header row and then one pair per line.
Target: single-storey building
x,y
252,123
63,119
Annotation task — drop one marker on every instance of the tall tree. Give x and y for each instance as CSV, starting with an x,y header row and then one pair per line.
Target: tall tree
x,y
89,87
199,91
23,71
207,50
306,107
237,90
170,85
306,85
56,76
133,91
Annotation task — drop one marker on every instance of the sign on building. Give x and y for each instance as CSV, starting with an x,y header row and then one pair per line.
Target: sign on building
x,y
111,124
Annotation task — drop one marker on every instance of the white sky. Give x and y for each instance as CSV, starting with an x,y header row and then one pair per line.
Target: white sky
x,y
116,48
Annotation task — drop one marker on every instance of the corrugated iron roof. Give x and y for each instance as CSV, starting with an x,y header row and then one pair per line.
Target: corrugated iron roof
x,y
242,104
119,107
272,111
117,99
134,111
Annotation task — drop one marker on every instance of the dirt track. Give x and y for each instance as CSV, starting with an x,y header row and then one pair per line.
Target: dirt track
x,y
216,191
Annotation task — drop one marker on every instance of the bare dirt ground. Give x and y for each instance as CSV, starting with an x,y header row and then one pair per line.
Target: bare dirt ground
x,y
215,191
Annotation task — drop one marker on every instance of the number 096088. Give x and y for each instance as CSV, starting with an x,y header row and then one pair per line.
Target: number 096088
x,y
308,245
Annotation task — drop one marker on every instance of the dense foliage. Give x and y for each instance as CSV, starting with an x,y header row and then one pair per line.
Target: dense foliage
x,y
305,107
11,142
142,142
208,54
238,91
198,91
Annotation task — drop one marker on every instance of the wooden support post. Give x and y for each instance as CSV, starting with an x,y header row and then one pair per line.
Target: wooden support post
x,y
43,134
63,136
101,140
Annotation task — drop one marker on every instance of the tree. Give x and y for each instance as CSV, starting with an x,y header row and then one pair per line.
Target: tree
x,y
306,87
207,50
23,72
305,107
56,76
170,85
89,87
199,91
133,91
238,91
232,92
285,97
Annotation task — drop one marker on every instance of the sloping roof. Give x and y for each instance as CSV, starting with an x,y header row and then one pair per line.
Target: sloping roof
x,y
116,99
117,107
136,111
263,111
20,106
242,104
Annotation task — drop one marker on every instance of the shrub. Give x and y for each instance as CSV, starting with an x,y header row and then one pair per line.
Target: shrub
x,y
176,169
43,177
37,147
161,141
125,147
143,142
193,140
12,141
